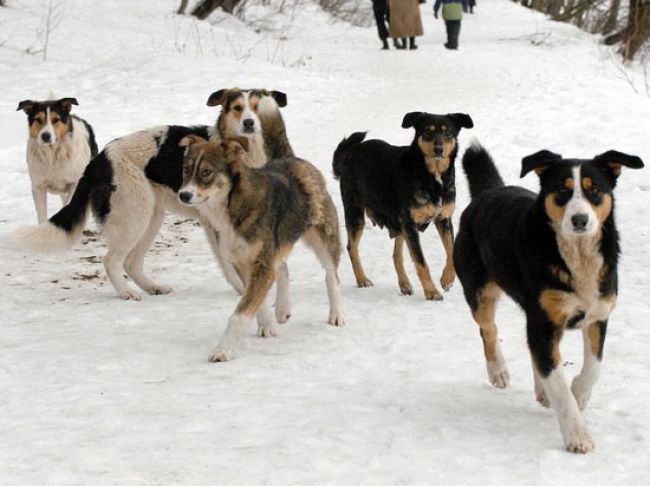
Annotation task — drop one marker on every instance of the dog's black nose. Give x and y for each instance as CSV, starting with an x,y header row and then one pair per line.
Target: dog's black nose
x,y
185,196
249,123
437,151
46,137
579,221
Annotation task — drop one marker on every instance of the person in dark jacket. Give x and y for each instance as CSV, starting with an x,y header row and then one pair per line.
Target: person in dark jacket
x,y
472,4
452,13
382,18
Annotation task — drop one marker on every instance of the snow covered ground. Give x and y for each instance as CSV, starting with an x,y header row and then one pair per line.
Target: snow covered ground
x,y
94,390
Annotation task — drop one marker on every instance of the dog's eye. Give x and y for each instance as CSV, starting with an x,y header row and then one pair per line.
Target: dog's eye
x,y
54,122
206,173
238,108
186,171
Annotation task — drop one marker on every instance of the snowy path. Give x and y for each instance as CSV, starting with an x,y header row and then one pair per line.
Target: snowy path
x,y
100,391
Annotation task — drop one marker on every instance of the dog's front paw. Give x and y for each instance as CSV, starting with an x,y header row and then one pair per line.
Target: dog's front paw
x,y
267,330
581,393
432,294
405,288
448,277
159,290
282,312
498,374
220,354
130,294
580,441
336,320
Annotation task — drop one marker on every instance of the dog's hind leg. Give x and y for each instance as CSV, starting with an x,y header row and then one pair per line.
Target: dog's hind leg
x,y
483,305
325,242
262,278
398,261
134,263
282,303
354,223
446,231
415,249
594,340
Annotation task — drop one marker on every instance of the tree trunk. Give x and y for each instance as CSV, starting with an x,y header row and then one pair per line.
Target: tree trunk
x,y
612,18
638,27
229,5
183,6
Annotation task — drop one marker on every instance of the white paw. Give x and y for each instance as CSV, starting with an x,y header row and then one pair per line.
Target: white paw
x,y
581,393
336,320
579,442
498,374
219,354
267,330
129,294
159,290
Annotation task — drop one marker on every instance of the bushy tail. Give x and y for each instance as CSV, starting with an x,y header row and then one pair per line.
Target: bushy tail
x,y
274,130
65,227
480,170
341,152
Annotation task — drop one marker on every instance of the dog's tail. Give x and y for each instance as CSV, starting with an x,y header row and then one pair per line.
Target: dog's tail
x,y
480,170
274,130
65,227
341,154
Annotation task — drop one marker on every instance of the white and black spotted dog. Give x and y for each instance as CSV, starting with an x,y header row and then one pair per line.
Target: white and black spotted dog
x,y
133,181
59,147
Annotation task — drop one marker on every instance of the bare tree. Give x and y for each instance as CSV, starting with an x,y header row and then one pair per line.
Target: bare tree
x,y
53,14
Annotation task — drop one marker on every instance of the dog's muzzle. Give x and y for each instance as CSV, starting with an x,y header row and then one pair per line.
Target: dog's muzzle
x,y
249,125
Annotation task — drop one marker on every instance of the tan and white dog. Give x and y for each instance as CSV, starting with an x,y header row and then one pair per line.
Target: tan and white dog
x,y
59,147
260,213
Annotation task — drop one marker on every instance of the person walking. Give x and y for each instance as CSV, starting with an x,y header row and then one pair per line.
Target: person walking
x,y
472,4
382,19
405,21
452,14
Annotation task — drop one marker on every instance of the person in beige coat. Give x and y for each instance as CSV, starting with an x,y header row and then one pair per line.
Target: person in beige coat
x,y
405,21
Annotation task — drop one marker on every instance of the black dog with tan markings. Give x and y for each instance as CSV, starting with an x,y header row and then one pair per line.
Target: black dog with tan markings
x,y
260,213
554,253
403,189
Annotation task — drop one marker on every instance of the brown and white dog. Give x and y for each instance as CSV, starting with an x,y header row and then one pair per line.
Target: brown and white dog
x,y
133,182
259,215
59,147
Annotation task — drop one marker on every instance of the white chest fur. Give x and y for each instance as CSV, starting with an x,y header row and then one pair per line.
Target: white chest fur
x,y
58,167
586,264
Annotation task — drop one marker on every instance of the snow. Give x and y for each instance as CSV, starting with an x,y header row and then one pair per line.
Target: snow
x,y
96,390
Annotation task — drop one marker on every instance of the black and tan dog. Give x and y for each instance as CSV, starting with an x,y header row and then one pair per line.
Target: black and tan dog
x,y
554,253
403,189
133,182
259,215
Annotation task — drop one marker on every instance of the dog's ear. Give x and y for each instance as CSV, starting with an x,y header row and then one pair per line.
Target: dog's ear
x,y
218,97
461,120
411,119
66,103
539,162
26,105
233,147
190,140
279,97
612,161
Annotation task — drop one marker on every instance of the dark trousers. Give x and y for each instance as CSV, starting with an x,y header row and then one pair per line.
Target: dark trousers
x,y
453,31
382,16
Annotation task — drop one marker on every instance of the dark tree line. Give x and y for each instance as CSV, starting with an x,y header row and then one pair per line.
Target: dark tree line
x,y
603,17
